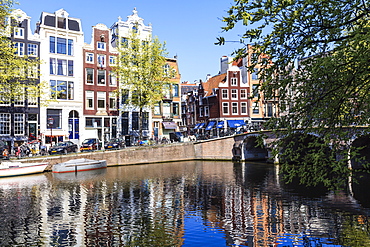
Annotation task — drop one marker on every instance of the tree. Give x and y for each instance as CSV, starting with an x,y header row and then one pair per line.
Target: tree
x,y
141,73
320,52
18,74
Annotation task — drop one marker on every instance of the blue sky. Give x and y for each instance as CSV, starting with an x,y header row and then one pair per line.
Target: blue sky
x,y
189,28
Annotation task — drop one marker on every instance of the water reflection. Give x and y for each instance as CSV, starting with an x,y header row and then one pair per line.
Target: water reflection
x,y
178,204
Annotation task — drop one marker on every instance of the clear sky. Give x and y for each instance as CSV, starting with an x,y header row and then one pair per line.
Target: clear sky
x,y
189,28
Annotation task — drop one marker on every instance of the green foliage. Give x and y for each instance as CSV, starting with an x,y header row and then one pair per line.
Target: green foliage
x,y
18,74
320,72
141,71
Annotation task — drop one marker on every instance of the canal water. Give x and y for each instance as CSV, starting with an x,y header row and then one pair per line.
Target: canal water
x,y
193,203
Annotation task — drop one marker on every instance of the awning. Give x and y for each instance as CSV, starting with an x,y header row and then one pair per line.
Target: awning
x,y
220,124
197,126
235,123
201,125
210,125
169,125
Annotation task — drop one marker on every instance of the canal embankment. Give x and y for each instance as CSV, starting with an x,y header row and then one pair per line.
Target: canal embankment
x,y
214,149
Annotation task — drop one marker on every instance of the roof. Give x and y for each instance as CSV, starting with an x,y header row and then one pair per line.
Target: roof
x,y
212,83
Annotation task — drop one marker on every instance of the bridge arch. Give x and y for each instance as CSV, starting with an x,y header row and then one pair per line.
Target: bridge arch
x,y
363,156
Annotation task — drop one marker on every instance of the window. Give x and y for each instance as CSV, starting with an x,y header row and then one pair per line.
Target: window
x,y
112,60
70,67
70,47
234,93
166,109
19,124
255,90
101,100
225,108
52,44
234,108
56,115
112,100
234,81
101,60
256,108
89,99
243,93
175,90
89,76
225,93
166,69
201,111
62,22
243,108
19,98
157,109
32,101
255,74
124,42
19,48
62,89
101,77
33,71
175,109
206,111
112,78
89,57
101,46
4,123
61,46
19,32
32,50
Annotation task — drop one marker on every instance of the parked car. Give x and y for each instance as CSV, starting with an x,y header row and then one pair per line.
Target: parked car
x,y
115,143
176,137
90,144
63,148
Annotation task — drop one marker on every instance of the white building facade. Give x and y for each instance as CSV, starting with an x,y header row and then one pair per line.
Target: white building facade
x,y
61,42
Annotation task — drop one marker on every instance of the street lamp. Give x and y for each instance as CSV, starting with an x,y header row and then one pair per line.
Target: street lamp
x,y
50,123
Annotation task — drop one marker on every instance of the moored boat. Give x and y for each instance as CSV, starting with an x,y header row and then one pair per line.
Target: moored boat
x,y
78,165
17,168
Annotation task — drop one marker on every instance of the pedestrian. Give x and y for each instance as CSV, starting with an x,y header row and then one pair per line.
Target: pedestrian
x,y
5,154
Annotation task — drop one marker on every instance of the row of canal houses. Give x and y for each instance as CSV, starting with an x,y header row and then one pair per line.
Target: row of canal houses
x,y
229,102
81,84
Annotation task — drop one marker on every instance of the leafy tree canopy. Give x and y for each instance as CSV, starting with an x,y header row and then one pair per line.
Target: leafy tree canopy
x,y
18,74
320,74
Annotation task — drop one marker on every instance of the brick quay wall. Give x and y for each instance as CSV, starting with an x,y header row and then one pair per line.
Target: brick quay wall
x,y
214,149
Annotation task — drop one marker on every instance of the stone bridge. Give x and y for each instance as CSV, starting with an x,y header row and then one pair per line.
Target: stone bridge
x,y
242,147
246,148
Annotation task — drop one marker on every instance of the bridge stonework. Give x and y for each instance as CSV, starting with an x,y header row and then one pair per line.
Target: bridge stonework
x,y
242,147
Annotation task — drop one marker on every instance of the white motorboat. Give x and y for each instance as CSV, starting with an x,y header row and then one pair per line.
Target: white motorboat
x,y
17,168
79,165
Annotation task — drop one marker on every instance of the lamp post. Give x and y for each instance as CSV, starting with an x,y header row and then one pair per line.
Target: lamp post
x,y
50,123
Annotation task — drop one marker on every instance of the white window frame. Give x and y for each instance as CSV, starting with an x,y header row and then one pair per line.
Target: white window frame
x,y
243,93
112,79
19,124
225,108
101,83
234,108
112,101
20,51
101,60
5,123
19,32
101,96
89,97
101,46
112,60
32,50
243,108
234,94
225,93
93,76
234,81
206,111
89,57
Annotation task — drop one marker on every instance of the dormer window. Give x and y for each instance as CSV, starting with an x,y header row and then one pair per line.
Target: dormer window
x,y
19,32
